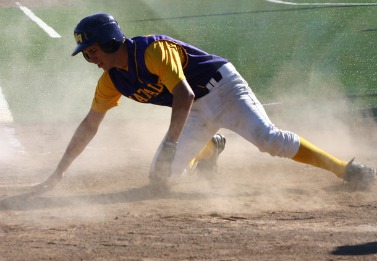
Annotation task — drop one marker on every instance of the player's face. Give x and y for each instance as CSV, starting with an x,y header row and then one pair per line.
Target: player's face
x,y
94,54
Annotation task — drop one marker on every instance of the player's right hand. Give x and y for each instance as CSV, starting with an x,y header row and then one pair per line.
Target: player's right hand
x,y
162,168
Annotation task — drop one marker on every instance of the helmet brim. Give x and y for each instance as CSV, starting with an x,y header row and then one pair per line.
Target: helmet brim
x,y
80,47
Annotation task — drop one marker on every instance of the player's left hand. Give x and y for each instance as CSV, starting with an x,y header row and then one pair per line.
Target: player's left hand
x,y
50,183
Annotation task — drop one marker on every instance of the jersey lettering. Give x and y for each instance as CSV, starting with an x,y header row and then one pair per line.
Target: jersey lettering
x,y
150,93
138,98
157,87
145,94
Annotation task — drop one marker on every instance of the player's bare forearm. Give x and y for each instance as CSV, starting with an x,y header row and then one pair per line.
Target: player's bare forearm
x,y
182,102
82,136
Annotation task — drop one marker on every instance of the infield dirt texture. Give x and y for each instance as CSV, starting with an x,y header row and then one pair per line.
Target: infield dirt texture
x,y
310,60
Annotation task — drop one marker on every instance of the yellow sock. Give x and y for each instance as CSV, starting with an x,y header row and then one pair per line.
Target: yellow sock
x,y
204,154
310,154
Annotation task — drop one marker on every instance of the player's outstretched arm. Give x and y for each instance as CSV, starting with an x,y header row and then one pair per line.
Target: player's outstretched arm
x,y
81,138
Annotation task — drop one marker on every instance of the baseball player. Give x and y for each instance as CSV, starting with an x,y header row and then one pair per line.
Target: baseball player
x,y
205,92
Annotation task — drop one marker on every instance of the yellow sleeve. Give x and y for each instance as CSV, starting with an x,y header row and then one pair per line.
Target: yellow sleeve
x,y
165,59
106,95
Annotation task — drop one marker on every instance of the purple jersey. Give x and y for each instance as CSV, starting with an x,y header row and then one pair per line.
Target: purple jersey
x,y
140,85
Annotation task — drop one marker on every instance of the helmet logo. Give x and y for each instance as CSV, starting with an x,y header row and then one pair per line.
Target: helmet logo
x,y
78,38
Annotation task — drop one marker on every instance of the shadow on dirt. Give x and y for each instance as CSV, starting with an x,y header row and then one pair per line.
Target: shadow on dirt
x,y
41,200
356,250
32,201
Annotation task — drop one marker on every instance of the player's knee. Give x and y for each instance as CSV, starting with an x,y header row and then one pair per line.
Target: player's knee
x,y
278,143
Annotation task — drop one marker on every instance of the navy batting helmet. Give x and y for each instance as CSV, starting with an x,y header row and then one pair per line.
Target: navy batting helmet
x,y
98,28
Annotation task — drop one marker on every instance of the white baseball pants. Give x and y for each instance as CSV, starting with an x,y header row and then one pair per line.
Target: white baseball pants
x,y
230,104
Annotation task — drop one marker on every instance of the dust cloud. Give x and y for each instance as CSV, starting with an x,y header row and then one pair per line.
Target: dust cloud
x,y
113,169
317,108
313,105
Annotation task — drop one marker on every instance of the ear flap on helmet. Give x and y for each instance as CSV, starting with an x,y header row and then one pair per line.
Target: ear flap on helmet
x,y
111,46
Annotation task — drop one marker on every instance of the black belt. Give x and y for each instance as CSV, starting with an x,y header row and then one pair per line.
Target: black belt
x,y
214,80
217,76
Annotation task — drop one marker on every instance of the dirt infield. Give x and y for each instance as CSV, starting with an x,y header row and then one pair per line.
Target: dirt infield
x,y
259,208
